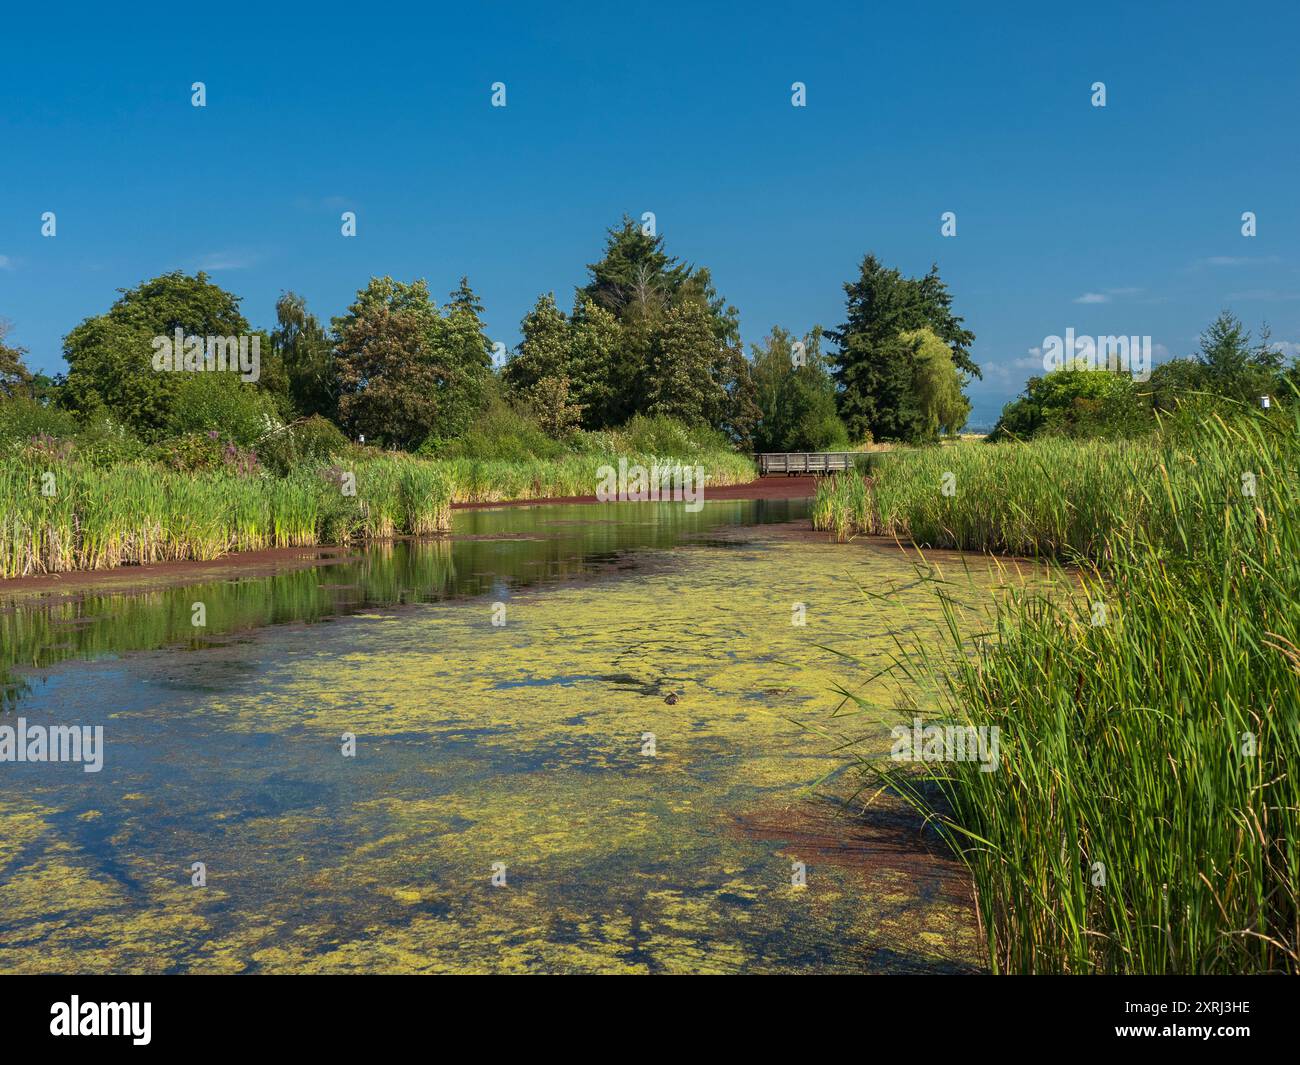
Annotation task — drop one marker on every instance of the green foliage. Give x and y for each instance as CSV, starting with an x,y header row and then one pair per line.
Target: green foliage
x,y
1077,402
502,433
407,372
312,441
875,366
110,356
102,443
678,380
15,378
22,418
937,383
1175,705
796,403
1233,366
307,356
206,402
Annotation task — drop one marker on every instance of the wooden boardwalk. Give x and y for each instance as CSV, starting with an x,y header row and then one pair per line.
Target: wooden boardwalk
x,y
794,463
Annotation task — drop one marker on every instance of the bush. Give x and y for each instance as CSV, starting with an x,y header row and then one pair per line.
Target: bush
x,y
104,442
22,418
204,451
218,401
666,437
310,442
499,433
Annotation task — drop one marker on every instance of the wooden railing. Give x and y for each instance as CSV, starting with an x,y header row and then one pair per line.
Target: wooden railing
x,y
793,463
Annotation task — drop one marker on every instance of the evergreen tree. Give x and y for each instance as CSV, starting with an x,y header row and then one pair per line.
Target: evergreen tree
x,y
544,350
598,366
679,380
875,368
1233,366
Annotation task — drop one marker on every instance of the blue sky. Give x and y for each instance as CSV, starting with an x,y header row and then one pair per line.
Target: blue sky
x,y
1122,220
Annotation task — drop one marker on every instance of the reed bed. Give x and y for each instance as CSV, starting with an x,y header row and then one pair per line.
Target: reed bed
x,y
1144,815
1051,498
494,481
138,513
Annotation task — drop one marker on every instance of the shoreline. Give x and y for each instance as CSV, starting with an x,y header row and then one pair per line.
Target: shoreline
x,y
272,560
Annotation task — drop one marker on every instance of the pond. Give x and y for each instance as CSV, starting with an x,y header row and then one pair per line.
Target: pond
x,y
597,738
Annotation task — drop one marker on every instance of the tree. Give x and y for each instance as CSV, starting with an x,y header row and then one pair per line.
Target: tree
x,y
679,381
544,350
738,414
875,368
110,356
1075,401
1233,366
599,366
15,378
636,276
552,406
388,363
308,357
408,373
937,383
795,397
465,361
1173,381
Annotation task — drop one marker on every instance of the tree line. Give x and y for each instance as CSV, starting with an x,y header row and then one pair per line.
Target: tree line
x,y
647,334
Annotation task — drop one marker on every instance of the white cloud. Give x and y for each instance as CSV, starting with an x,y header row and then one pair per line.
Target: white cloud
x,y
6,263
1106,295
227,260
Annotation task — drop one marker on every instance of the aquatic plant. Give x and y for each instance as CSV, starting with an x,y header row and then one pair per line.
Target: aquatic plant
x,y
1144,815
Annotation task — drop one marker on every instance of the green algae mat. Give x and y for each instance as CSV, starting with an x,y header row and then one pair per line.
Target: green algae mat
x,y
537,747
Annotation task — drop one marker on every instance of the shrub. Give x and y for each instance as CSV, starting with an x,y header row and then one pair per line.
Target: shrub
x,y
309,442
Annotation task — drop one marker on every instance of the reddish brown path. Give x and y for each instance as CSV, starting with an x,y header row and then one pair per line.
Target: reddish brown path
x,y
777,487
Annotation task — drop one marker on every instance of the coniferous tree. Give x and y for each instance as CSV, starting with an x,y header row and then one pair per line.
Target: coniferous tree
x,y
875,368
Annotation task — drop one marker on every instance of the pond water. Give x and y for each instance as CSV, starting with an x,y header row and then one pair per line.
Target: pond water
x,y
587,739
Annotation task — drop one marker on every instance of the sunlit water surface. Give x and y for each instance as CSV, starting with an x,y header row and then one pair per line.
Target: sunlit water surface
x,y
506,689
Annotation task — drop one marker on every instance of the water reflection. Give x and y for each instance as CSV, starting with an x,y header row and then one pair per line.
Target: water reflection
x,y
489,552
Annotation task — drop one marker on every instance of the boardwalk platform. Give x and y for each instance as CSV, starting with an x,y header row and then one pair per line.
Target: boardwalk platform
x,y
797,463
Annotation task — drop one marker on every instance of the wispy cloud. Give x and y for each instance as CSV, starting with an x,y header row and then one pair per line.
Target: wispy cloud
x,y
228,260
6,263
1236,260
1106,295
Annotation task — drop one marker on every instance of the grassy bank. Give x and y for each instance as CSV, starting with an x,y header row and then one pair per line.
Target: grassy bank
x,y
58,514
1051,498
1145,812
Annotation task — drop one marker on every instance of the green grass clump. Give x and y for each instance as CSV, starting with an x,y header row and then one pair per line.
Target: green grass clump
x,y
140,512
1145,813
